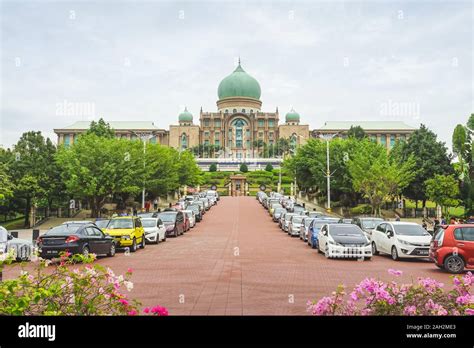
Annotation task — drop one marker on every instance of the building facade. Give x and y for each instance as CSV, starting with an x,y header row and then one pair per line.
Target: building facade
x,y
239,127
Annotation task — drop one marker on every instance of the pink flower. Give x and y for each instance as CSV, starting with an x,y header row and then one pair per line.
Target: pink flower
x,y
395,272
123,301
132,312
463,300
160,311
129,270
146,310
469,311
409,310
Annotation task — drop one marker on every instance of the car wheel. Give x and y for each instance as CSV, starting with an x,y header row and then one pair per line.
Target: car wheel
x,y
394,254
142,245
176,232
319,250
374,249
85,250
326,252
454,264
367,258
111,250
133,248
164,238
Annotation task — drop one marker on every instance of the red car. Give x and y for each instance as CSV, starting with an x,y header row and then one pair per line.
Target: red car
x,y
452,247
187,223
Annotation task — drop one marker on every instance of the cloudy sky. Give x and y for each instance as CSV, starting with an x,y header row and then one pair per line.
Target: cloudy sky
x,y
64,61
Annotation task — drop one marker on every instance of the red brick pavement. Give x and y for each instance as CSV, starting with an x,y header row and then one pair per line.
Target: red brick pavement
x,y
238,262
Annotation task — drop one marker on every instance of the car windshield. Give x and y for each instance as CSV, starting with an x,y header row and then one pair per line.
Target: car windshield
x,y
347,230
296,208
168,217
116,224
102,223
279,210
288,216
296,219
307,222
370,223
149,222
410,230
189,214
64,229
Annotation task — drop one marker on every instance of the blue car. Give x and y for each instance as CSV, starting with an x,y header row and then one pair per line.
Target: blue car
x,y
314,228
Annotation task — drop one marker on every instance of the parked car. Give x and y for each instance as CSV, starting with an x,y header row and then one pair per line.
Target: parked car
x,y
76,238
295,225
190,215
127,231
102,224
304,229
286,221
22,248
315,227
344,241
277,213
213,195
196,210
174,222
207,205
401,240
317,214
367,224
201,206
345,221
452,247
299,209
273,206
155,230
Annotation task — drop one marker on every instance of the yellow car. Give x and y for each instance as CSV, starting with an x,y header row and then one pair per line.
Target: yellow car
x,y
127,231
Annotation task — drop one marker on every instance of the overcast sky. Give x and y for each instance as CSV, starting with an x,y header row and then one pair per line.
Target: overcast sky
x,y
145,60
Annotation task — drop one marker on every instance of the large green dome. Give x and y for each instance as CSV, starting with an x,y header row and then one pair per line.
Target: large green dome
x,y
239,84
185,116
292,116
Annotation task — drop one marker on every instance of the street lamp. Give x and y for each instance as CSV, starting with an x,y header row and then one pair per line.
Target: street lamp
x,y
294,152
145,137
328,173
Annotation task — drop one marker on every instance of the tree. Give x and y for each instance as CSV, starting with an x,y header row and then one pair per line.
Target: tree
x,y
34,171
431,158
244,168
96,167
356,132
101,129
213,167
444,191
188,170
162,169
269,167
6,184
376,176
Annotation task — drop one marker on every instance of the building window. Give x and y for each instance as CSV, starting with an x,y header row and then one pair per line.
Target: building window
x,y
184,141
261,122
206,122
373,138
67,140
217,134
383,140
271,123
260,134
251,111
392,140
206,134
247,133
217,142
217,123
270,135
230,134
226,111
153,140
206,142
234,111
229,143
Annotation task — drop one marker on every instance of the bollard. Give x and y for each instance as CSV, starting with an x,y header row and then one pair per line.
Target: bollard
x,y
14,234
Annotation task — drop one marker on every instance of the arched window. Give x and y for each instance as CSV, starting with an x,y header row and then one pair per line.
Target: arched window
x,y
235,110
293,142
243,110
239,124
184,141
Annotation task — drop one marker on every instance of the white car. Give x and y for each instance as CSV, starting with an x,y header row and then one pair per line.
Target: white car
x,y
344,241
155,230
191,217
401,240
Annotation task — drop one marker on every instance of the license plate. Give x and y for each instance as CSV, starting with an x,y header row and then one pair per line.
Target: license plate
x,y
423,252
51,252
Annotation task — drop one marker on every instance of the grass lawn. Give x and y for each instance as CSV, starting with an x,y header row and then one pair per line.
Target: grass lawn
x,y
453,211
14,224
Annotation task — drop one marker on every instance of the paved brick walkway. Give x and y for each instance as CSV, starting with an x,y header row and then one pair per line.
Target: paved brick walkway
x,y
239,262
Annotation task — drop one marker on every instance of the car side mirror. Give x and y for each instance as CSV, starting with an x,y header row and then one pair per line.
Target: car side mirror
x,y
10,237
389,234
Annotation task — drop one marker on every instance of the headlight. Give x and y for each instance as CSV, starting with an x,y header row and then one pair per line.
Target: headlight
x,y
401,241
125,237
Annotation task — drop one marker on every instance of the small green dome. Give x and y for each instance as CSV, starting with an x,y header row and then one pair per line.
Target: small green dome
x,y
185,116
239,84
292,116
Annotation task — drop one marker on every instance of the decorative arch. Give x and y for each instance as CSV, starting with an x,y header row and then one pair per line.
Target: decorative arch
x,y
184,141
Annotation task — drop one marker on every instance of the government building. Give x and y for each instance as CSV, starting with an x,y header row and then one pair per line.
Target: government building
x,y
239,126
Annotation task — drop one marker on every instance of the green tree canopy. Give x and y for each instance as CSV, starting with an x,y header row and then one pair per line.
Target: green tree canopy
x,y
356,132
101,129
269,167
244,168
213,167
444,191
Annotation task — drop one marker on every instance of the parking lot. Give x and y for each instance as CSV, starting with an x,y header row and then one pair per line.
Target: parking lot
x,y
237,261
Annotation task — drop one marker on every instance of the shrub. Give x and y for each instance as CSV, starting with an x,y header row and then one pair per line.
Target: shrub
x,y
375,297
269,167
213,167
66,289
244,168
361,209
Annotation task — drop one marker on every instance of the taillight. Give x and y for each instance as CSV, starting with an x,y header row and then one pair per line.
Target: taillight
x,y
72,239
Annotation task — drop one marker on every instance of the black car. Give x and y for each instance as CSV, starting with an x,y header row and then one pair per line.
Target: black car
x,y
76,239
174,222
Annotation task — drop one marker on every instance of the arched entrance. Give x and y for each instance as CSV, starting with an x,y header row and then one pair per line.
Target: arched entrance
x,y
238,185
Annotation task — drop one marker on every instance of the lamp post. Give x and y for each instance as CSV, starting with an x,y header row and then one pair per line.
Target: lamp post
x,y
144,138
294,152
328,173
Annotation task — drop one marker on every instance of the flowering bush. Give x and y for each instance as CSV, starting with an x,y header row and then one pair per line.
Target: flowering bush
x,y
67,290
375,297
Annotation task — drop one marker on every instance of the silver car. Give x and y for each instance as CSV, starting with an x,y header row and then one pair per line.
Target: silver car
x,y
295,225
23,249
286,221
304,229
